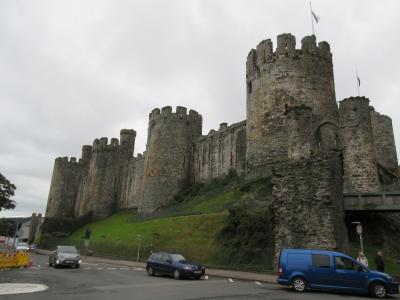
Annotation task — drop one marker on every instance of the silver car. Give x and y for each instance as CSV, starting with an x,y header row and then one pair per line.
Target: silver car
x,y
65,256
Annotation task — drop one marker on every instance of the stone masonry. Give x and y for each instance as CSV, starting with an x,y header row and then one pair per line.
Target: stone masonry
x,y
294,130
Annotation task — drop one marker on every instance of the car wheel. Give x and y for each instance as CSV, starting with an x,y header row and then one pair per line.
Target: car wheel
x,y
50,264
378,290
299,284
77,266
177,274
197,277
150,271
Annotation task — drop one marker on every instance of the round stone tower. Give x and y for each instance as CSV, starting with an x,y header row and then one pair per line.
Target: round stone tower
x,y
384,144
359,163
168,155
281,79
63,188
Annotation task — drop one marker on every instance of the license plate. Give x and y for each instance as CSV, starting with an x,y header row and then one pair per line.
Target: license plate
x,y
197,272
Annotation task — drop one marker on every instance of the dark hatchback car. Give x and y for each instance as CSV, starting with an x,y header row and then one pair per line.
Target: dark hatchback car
x,y
173,264
65,256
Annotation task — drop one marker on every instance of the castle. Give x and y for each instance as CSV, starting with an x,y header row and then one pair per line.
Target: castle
x,y
315,149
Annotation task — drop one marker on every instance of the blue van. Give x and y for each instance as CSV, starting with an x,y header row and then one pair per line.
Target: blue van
x,y
328,270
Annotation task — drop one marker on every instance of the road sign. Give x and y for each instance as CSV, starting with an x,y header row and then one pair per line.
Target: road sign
x,y
359,229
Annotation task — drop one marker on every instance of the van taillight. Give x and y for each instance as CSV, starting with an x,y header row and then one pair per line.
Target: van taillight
x,y
280,271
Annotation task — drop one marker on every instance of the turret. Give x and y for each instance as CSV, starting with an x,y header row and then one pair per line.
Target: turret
x,y
384,144
281,79
86,152
127,137
359,163
168,156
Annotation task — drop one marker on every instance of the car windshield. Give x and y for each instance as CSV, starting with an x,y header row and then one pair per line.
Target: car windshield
x,y
22,244
177,257
68,249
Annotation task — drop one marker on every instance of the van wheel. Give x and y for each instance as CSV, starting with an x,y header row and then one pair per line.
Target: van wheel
x,y
378,290
299,284
177,274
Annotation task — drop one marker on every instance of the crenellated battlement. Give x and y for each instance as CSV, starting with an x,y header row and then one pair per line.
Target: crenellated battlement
x,y
101,144
223,128
179,114
65,160
286,49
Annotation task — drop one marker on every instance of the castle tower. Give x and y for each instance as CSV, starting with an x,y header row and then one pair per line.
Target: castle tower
x,y
99,190
301,140
65,180
86,152
284,78
168,156
384,144
359,163
127,137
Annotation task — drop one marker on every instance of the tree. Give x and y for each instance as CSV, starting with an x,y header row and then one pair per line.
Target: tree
x,y
6,192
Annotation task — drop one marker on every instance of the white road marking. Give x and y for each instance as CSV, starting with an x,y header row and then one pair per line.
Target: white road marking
x,y
21,288
206,277
230,280
111,268
259,283
124,268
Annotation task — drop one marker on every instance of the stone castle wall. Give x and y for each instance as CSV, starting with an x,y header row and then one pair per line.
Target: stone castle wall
x,y
308,204
220,151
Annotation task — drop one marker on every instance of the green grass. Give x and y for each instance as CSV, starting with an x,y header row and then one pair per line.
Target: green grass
x,y
194,236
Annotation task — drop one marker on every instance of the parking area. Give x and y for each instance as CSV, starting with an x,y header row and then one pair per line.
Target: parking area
x,y
111,281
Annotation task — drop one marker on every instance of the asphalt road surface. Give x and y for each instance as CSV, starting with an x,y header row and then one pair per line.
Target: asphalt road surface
x,y
106,281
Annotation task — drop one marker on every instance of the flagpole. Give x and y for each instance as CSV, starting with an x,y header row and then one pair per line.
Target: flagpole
x,y
358,84
312,20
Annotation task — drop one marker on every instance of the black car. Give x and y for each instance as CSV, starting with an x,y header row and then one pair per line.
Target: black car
x,y
173,264
65,256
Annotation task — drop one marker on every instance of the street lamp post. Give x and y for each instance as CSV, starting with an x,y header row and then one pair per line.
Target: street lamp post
x,y
359,231
138,237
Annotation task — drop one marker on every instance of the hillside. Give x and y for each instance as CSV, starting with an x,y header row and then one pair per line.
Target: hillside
x,y
207,223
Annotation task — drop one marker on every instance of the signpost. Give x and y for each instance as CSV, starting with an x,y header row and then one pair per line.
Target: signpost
x,y
138,237
359,231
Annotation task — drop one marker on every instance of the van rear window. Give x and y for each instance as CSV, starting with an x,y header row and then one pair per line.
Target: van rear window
x,y
321,261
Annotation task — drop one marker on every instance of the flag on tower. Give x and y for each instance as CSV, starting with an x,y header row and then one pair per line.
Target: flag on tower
x,y
316,18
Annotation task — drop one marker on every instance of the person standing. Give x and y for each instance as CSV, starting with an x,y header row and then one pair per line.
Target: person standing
x,y
362,258
380,265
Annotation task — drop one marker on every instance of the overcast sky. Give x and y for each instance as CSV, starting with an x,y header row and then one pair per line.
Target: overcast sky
x,y
71,71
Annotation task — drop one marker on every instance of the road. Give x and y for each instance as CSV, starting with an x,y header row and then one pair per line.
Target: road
x,y
107,281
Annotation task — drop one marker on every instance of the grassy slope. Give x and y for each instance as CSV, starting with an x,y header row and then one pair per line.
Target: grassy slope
x,y
189,227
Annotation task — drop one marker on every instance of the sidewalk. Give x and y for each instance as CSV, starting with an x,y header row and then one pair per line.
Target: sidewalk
x,y
262,277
